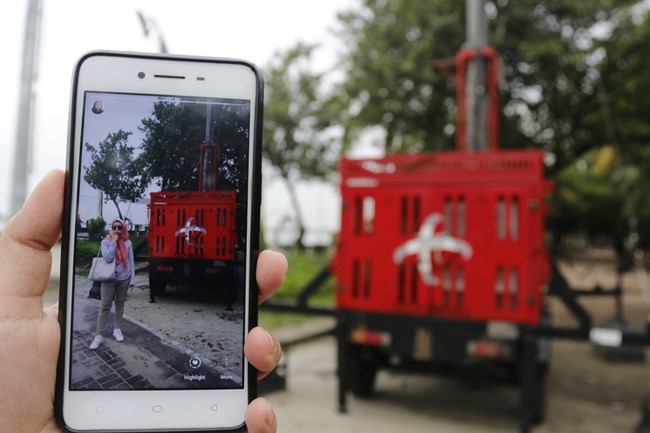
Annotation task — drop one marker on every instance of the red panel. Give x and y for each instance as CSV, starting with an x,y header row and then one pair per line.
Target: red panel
x,y
196,225
452,235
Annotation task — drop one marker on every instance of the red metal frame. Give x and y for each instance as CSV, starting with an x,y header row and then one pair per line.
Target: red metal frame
x,y
208,166
489,261
463,58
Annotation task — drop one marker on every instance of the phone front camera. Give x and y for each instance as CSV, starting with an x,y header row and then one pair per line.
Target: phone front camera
x,y
141,75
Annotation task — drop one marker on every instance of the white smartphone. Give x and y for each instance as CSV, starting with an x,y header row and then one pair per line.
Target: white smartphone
x,y
163,189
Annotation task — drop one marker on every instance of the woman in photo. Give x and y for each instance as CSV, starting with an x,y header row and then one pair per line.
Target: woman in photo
x,y
116,246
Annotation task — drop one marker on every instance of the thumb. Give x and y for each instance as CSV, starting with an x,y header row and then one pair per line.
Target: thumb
x,y
25,258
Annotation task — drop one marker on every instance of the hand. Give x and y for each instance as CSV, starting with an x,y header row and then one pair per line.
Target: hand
x,y
114,236
30,335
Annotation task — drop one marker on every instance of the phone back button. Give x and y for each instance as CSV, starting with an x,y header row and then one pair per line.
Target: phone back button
x,y
214,408
157,409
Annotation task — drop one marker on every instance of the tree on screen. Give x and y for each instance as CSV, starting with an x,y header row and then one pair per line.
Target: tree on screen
x,y
170,149
113,170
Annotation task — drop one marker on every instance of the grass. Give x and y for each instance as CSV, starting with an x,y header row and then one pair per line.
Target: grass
x,y
84,252
303,267
273,320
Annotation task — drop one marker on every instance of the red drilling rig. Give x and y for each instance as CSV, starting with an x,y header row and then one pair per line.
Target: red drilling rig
x,y
193,233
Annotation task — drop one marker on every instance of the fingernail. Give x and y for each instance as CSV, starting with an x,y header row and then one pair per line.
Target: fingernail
x,y
283,257
271,340
270,416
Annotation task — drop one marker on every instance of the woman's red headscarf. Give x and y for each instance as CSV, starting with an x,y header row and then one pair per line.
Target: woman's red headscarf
x,y
121,254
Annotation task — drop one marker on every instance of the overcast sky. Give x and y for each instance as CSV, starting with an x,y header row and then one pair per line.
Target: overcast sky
x,y
249,29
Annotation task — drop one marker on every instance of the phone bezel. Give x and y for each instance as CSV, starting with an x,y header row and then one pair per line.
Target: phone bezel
x,y
185,410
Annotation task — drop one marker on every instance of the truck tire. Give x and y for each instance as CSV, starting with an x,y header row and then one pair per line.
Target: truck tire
x,y
362,372
157,283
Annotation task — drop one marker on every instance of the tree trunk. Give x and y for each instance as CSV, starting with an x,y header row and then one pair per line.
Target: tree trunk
x,y
296,207
119,212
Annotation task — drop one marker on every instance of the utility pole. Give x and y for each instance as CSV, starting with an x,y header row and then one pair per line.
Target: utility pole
x,y
476,86
24,130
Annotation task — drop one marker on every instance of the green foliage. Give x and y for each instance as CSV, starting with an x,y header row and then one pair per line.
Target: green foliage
x,y
548,66
96,228
620,90
295,115
624,86
173,135
297,120
231,125
84,253
389,79
587,195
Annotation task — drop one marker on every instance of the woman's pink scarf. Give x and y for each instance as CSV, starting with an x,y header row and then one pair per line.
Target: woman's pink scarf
x,y
121,254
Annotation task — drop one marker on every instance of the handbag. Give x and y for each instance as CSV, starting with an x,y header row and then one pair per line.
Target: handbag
x,y
101,270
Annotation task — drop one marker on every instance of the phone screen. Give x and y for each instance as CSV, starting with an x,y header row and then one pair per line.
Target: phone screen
x,y
163,187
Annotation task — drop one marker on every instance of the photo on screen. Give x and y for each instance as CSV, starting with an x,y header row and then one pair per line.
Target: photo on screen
x,y
163,190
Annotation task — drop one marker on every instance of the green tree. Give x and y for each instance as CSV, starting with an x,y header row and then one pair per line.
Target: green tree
x,y
113,170
548,65
170,149
550,57
96,228
298,141
622,86
231,131
173,136
389,81
587,194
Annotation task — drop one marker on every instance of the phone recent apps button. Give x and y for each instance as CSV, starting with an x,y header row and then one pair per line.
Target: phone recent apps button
x,y
157,409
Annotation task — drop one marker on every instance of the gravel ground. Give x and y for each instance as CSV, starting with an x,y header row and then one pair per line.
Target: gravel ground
x,y
585,392
218,333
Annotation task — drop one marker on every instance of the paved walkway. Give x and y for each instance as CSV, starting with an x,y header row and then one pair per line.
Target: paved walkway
x,y
144,360
102,368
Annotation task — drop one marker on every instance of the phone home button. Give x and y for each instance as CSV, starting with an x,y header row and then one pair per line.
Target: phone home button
x,y
157,409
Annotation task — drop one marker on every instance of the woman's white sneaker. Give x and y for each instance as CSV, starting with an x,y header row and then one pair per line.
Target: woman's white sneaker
x,y
118,334
96,342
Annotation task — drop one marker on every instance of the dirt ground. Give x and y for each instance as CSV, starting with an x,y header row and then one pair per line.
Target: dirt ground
x,y
586,393
218,330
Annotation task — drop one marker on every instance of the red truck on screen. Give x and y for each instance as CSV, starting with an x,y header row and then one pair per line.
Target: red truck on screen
x,y
192,233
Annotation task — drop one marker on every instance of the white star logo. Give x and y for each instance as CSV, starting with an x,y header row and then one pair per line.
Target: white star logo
x,y
427,242
188,230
